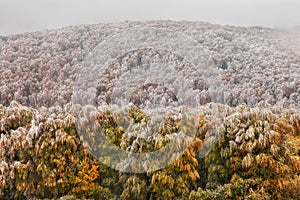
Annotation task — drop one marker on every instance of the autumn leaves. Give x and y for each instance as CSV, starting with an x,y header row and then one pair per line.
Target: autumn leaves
x,y
256,155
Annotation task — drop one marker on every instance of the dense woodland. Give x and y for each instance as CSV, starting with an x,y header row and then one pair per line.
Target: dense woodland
x,y
243,81
256,156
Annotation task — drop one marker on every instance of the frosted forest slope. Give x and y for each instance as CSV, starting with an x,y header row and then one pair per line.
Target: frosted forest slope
x,y
253,63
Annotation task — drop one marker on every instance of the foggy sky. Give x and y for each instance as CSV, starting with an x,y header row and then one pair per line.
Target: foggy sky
x,y
18,16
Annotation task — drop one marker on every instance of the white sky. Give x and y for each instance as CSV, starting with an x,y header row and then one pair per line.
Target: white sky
x,y
29,15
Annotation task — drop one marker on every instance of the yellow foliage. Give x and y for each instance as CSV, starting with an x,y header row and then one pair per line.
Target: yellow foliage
x,y
84,182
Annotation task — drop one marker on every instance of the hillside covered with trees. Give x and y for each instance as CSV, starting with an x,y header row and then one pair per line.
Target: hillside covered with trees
x,y
234,93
